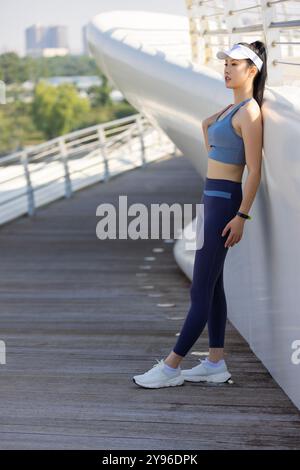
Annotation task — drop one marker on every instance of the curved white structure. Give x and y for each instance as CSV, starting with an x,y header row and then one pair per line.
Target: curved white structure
x,y
147,57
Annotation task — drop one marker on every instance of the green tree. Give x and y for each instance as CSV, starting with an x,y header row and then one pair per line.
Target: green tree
x,y
58,110
16,127
11,68
100,95
15,69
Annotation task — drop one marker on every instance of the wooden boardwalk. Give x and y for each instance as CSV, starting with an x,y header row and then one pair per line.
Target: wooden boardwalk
x,y
78,324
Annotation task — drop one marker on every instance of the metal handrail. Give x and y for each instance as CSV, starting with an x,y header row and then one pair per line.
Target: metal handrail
x,y
60,166
268,26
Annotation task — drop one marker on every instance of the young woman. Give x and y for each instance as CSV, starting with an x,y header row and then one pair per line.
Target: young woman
x,y
232,142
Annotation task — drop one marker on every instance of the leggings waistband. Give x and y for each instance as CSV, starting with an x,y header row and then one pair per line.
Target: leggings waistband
x,y
226,188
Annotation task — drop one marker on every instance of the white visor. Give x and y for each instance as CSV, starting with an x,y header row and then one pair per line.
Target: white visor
x,y
238,51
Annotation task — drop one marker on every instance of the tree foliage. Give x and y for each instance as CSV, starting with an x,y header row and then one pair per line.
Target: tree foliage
x,y
58,110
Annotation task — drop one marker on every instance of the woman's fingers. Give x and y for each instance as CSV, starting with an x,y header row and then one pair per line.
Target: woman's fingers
x,y
225,230
233,236
232,240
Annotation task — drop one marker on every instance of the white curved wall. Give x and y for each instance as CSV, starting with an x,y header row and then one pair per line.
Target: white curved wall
x,y
262,272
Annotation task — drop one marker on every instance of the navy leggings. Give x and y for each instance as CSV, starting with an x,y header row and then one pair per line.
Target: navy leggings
x,y
222,199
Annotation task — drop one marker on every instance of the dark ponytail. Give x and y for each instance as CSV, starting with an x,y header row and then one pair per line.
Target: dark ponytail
x,y
261,76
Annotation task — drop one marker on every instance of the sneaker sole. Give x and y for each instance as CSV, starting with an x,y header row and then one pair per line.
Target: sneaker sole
x,y
216,378
171,383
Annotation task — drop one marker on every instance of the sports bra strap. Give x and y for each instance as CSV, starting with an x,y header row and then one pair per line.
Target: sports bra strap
x,y
233,109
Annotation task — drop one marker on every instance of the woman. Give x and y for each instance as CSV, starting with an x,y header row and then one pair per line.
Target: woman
x,y
232,142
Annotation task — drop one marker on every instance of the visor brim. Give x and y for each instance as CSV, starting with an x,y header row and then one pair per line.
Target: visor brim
x,y
232,54
222,54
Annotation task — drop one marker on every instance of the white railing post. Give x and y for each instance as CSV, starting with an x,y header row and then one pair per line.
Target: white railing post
x,y
194,34
204,36
29,187
64,158
103,149
129,141
2,92
140,128
272,35
231,21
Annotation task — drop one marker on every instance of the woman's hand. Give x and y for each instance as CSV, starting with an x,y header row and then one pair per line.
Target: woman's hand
x,y
236,226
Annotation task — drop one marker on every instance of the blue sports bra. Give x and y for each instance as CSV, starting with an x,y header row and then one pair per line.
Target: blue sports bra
x,y
227,145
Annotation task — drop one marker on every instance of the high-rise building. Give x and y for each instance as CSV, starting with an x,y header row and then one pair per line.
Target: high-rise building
x,y
56,37
46,41
34,38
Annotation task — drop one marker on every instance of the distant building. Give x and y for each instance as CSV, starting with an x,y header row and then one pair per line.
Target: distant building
x,y
46,41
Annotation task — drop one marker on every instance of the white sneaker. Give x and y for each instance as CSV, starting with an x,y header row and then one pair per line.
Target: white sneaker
x,y
204,373
156,377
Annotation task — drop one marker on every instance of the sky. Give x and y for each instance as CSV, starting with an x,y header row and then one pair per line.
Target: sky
x,y
16,15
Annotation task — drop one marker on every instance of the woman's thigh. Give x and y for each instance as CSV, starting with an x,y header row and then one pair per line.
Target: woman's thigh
x,y
209,259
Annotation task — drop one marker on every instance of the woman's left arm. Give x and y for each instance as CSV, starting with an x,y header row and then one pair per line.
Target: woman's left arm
x,y
252,132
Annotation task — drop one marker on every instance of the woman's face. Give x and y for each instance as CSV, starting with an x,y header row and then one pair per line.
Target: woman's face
x,y
237,72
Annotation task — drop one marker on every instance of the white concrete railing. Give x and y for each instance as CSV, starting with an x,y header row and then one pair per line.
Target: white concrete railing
x,y
55,169
216,24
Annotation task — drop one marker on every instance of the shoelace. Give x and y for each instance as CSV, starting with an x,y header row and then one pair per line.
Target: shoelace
x,y
159,362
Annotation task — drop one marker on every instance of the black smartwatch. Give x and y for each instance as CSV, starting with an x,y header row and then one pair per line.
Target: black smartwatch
x,y
244,216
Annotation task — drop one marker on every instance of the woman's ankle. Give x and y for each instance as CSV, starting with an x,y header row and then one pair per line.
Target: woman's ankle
x,y
215,354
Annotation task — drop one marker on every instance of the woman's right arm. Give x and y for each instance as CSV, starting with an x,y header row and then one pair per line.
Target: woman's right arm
x,y
204,129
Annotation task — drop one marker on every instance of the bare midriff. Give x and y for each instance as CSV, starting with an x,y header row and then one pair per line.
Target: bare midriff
x,y
227,171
